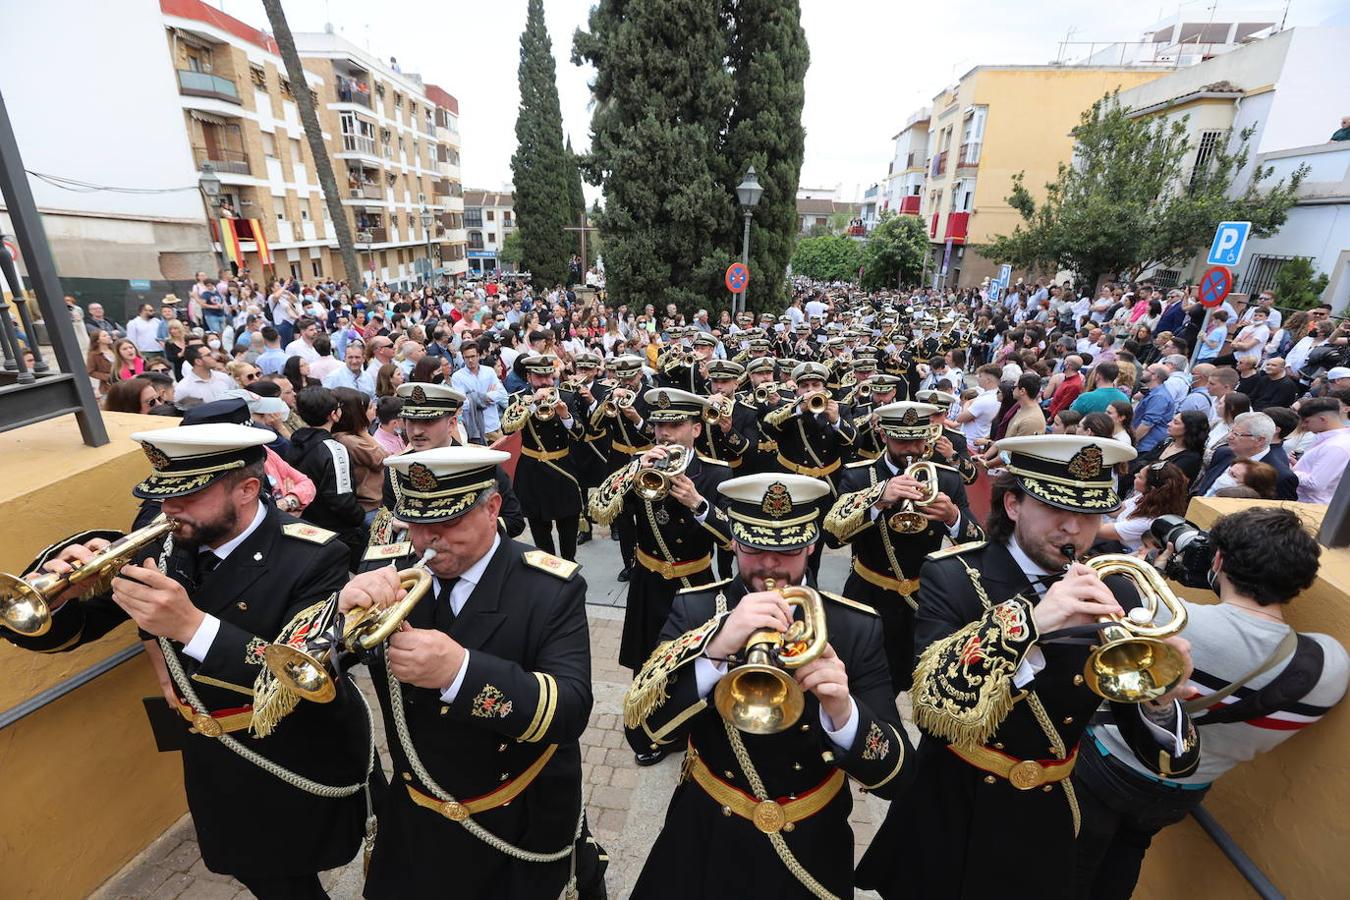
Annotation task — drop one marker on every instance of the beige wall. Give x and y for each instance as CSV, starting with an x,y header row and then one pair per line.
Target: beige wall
x,y
83,788
1286,808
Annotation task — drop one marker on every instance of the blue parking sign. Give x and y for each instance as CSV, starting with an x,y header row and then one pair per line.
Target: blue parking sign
x,y
1229,239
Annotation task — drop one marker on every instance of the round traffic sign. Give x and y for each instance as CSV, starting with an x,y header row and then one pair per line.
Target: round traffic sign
x,y
13,249
1214,286
738,277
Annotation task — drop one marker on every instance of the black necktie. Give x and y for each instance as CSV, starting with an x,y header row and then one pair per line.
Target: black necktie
x,y
445,612
206,564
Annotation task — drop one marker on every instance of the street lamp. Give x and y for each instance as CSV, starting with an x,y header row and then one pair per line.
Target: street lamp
x,y
426,229
748,192
209,183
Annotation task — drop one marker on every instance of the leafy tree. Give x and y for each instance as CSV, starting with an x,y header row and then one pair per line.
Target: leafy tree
x,y
827,258
1298,285
894,252
540,164
510,251
1127,203
768,63
576,200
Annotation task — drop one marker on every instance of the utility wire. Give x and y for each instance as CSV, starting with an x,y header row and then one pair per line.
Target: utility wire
x,y
86,187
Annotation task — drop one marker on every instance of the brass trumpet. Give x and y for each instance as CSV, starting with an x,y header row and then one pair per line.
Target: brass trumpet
x,y
1133,664
571,385
26,606
618,399
765,391
310,669
717,410
815,402
760,696
653,482
908,520
546,409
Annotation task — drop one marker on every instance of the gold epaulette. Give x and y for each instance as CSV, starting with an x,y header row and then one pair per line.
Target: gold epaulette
x,y
860,464
715,462
955,549
553,565
840,599
704,587
387,551
307,532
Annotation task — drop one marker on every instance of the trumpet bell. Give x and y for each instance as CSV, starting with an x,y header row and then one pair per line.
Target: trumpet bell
x,y
300,672
909,522
759,699
1131,669
816,403
23,608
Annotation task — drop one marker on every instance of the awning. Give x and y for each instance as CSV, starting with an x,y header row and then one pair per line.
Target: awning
x,y
208,118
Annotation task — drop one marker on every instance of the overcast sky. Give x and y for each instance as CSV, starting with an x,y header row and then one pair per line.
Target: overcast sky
x,y
873,62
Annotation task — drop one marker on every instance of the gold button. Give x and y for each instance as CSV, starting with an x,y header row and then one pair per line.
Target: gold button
x,y
407,776
444,710
1077,680
726,811
806,727
989,779
1068,720
501,748
730,776
998,745
1048,788
504,776
788,826
796,767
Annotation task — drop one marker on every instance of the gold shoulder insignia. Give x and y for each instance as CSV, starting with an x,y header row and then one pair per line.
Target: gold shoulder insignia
x,y
955,549
710,460
388,551
704,587
308,532
553,565
844,601
861,464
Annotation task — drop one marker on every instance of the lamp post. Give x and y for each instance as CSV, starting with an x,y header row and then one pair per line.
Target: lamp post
x,y
209,183
426,229
748,193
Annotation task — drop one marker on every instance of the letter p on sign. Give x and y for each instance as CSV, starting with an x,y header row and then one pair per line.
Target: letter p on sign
x,y
1229,240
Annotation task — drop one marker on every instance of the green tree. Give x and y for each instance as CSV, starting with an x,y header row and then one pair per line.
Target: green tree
x,y
540,164
576,200
827,258
894,252
1127,202
1298,285
510,252
768,61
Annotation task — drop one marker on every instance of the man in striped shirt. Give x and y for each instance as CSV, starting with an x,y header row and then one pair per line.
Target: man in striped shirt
x,y
1265,558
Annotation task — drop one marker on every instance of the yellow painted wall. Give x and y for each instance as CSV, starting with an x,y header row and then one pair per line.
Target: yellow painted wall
x,y
1286,808
83,788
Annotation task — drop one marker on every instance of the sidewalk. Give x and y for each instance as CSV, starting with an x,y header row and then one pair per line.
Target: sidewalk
x,y
626,804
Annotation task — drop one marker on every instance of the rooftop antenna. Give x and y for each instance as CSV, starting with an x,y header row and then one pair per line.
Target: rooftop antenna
x,y
1285,16
1063,45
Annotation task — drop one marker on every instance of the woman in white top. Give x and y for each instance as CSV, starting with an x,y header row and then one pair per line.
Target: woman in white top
x,y
1160,489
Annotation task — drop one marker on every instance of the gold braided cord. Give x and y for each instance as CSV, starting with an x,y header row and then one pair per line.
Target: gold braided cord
x,y
1056,744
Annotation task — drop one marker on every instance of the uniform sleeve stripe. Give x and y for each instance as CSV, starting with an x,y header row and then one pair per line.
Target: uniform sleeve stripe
x,y
899,760
547,721
538,707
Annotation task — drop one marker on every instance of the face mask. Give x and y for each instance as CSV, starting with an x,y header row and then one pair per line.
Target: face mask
x,y
214,345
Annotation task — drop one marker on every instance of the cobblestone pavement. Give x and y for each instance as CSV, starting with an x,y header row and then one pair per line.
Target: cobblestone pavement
x,y
625,803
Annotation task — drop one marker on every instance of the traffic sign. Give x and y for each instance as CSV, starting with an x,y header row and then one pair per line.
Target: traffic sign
x,y
1229,240
738,277
13,249
1004,274
1214,286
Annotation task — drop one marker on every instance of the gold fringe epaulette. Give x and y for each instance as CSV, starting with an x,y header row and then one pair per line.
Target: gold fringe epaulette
x,y
648,690
849,515
853,604
272,701
956,549
608,500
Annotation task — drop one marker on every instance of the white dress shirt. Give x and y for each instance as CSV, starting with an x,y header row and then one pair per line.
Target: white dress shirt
x,y
459,595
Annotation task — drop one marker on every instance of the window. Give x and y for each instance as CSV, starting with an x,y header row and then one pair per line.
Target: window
x,y
492,237
269,143
1261,272
281,215
304,214
1205,152
316,266
506,218
297,153
491,216
296,272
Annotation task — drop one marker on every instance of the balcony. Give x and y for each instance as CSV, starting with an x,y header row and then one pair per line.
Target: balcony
x,y
957,225
349,90
932,227
969,157
234,162
909,206
441,188
372,234
367,192
358,143
939,164
204,84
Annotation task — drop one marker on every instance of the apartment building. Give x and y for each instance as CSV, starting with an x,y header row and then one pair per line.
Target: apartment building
x,y
905,176
489,216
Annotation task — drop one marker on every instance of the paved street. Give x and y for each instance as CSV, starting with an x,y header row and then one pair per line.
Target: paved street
x,y
626,803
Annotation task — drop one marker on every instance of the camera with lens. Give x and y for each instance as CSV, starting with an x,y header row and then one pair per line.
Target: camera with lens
x,y
1193,548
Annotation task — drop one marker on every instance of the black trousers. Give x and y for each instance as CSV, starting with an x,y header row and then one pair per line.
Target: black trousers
x,y
285,887
1122,811
541,530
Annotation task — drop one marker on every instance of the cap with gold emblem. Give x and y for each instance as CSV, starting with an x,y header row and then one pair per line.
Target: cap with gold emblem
x,y
428,401
673,405
774,511
1068,471
905,420
442,484
883,384
761,364
539,364
810,370
938,398
759,345
585,360
190,458
864,364
625,366
725,368
703,339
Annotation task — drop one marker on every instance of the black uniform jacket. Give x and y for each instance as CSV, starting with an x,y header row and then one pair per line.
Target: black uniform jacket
x,y
526,693
959,833
546,474
731,446
250,822
808,444
622,437
703,853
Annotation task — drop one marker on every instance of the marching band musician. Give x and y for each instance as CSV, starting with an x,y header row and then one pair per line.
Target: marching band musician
x,y
226,582
622,413
1001,708
763,454
887,552
950,448
728,438
430,415
811,444
485,692
676,533
592,459
550,421
869,395
765,814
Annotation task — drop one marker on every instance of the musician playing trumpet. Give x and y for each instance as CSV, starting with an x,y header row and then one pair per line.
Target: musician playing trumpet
x,y
887,552
765,814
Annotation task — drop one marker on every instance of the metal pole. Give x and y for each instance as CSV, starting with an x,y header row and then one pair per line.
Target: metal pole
x,y
738,300
11,274
1246,866
10,343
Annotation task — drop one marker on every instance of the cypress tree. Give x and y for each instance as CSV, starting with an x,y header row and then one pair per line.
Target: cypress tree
x,y
768,58
662,94
576,206
539,165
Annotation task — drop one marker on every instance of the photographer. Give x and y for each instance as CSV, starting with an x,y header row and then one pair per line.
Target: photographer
x,y
1258,680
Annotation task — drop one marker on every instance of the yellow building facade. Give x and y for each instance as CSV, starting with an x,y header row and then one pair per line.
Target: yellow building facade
x,y
995,122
